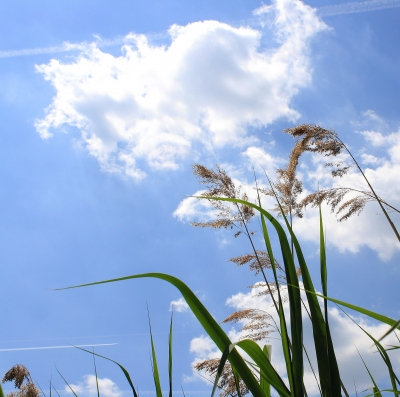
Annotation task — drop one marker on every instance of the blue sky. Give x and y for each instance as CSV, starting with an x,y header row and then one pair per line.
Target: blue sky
x,y
104,108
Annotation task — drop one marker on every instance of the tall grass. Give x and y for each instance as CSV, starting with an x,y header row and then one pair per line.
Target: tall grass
x,y
260,375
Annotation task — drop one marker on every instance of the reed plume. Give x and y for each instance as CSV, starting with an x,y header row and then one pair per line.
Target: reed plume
x,y
19,374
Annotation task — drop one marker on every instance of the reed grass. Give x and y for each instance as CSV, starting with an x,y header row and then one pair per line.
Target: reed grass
x,y
328,373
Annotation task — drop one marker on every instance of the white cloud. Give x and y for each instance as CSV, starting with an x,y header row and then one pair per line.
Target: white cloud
x,y
370,159
259,158
179,306
88,387
194,209
345,334
157,105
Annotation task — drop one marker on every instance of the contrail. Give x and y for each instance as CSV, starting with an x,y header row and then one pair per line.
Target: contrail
x,y
326,11
357,6
55,347
64,47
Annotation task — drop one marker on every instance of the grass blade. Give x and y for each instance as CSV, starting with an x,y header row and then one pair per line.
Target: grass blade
x,y
369,313
209,324
283,328
170,355
265,385
42,389
1,391
376,391
269,372
382,352
126,373
67,383
392,328
294,363
58,394
156,374
95,372
237,383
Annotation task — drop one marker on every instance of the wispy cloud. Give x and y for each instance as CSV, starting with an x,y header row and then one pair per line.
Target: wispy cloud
x,y
357,6
55,347
67,47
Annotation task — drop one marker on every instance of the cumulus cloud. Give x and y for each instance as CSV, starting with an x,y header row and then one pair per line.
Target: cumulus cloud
x,y
346,336
88,387
179,305
155,105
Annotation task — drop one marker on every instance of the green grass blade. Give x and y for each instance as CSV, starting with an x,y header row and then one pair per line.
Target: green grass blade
x,y
95,372
237,383
67,383
126,373
386,391
42,389
376,391
58,394
312,370
156,374
269,372
282,320
294,365
369,313
392,328
265,385
209,324
329,384
264,365
382,352
170,355
220,368
1,391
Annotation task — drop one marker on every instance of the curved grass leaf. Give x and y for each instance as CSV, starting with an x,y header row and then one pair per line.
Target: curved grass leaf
x,y
264,365
212,328
369,313
126,373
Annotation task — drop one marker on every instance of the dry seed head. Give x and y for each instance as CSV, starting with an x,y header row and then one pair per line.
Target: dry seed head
x,y
226,382
255,261
219,184
27,390
17,374
334,198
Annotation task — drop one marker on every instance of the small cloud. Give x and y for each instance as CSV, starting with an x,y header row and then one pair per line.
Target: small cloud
x,y
192,208
259,158
179,306
88,387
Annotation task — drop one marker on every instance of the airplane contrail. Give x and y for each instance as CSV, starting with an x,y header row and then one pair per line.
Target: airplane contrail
x,y
325,11
55,347
356,7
